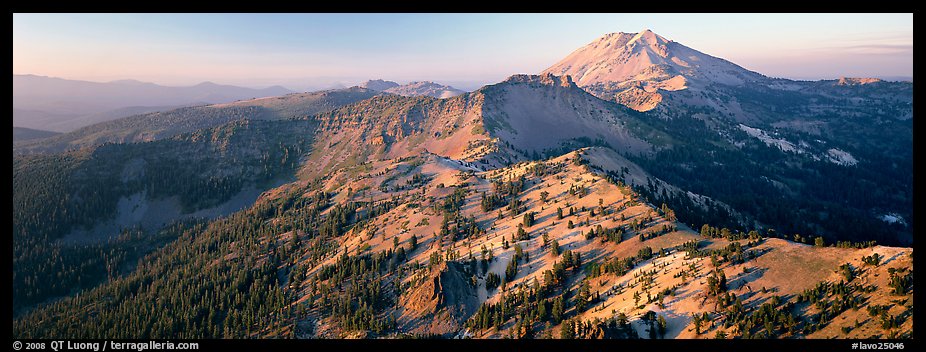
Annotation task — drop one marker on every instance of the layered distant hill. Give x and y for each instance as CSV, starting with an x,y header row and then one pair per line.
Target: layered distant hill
x,y
64,105
169,123
21,134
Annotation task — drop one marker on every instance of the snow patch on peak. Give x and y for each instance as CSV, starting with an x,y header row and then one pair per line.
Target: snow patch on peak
x,y
647,36
617,58
618,38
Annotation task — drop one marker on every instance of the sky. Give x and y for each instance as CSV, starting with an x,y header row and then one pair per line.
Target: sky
x,y
315,51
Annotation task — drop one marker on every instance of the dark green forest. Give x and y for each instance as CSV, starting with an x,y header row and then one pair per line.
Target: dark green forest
x,y
819,197
57,193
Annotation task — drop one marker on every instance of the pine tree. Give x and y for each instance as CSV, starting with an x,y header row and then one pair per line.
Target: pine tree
x,y
696,319
582,298
528,220
558,309
548,279
663,325
568,330
412,243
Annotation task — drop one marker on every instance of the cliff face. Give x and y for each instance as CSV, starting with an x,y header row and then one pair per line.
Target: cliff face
x,y
521,117
547,113
441,303
395,126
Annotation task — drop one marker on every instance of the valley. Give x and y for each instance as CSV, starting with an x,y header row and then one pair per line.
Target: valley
x,y
423,246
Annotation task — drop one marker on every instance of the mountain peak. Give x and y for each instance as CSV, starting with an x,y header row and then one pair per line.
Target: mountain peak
x,y
425,88
646,32
378,84
617,40
206,84
547,79
633,68
856,81
621,59
130,82
648,37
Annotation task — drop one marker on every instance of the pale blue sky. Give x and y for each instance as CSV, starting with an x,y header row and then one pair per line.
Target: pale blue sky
x,y
303,51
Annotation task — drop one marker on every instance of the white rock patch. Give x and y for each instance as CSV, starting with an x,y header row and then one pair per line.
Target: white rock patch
x,y
892,218
782,144
840,157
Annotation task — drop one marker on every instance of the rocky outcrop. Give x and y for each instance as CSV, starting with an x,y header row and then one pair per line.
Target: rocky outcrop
x,y
429,89
378,85
855,81
442,303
